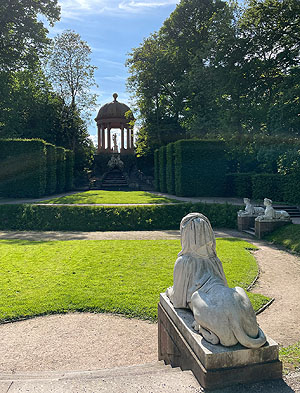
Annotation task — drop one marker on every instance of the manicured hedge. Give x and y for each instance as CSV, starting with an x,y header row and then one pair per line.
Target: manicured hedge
x,y
156,170
239,185
60,169
117,218
51,169
267,185
170,169
162,168
69,170
291,191
22,167
200,168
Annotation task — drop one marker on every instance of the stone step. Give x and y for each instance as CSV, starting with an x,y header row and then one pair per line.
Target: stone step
x,y
155,378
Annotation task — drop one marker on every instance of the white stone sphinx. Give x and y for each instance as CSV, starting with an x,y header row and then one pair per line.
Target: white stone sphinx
x,y
250,210
222,315
271,214
115,162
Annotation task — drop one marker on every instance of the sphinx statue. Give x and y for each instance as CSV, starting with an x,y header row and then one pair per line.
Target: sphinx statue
x,y
271,214
222,315
250,210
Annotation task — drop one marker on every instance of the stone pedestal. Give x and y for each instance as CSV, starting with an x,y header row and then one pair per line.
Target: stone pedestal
x,y
267,226
246,222
214,366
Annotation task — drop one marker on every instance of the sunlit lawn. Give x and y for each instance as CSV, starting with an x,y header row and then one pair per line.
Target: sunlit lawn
x,y
113,197
117,276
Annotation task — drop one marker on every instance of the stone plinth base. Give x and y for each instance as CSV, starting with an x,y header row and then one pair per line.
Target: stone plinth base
x,y
214,366
246,222
267,226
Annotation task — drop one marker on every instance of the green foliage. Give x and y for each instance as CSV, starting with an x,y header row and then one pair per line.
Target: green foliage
x,y
23,36
23,167
156,170
266,185
51,169
290,357
110,197
69,170
239,185
103,218
291,191
287,236
60,169
116,276
200,168
162,169
170,169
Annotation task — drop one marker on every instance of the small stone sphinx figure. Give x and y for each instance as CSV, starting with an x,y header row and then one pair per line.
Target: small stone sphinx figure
x,y
250,210
222,315
271,214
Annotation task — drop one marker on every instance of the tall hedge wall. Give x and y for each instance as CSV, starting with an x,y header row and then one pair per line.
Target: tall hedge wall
x,y
117,218
162,168
239,185
170,169
200,168
156,170
268,186
23,167
69,170
60,169
51,169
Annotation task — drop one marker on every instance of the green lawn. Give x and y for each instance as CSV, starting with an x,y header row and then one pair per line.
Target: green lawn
x,y
290,357
117,276
113,197
287,236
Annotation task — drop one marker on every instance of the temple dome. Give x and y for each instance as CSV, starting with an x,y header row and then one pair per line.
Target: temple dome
x,y
113,111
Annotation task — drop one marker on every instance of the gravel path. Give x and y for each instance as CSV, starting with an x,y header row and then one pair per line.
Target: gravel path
x,y
92,341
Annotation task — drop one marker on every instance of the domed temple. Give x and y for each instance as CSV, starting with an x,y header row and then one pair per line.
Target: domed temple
x,y
110,116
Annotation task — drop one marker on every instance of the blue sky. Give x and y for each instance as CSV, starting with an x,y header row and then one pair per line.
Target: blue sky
x,y
112,28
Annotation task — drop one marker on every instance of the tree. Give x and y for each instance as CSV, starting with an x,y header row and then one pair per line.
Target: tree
x,y
70,71
23,37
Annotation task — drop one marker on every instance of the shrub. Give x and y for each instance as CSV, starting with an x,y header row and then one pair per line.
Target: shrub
x,y
291,190
239,185
266,185
69,172
23,167
60,169
117,218
200,168
51,169
156,170
162,168
170,169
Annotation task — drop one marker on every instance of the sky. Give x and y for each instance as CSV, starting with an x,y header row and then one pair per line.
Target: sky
x,y
112,28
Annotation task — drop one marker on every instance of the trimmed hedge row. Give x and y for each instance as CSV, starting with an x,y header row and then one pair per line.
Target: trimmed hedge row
x,y
156,170
118,218
162,169
170,169
239,185
33,168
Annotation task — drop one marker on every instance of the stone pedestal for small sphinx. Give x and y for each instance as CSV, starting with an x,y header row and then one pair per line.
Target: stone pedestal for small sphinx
x,y
246,222
267,226
214,366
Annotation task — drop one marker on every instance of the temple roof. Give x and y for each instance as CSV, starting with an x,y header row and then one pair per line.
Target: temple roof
x,y
114,110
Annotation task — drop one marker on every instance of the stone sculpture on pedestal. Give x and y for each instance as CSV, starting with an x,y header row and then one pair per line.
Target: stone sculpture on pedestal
x,y
222,315
271,214
250,210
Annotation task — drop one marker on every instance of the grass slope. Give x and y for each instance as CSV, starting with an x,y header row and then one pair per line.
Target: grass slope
x,y
287,236
106,276
113,197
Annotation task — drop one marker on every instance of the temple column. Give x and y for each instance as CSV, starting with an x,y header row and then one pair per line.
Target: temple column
x,y
103,137
122,136
108,137
128,139
131,139
99,137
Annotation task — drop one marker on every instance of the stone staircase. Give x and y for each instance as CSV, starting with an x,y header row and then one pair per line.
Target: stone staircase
x,y
146,378
113,180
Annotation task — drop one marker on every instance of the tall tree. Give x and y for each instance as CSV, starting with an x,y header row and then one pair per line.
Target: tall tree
x,y
23,37
71,72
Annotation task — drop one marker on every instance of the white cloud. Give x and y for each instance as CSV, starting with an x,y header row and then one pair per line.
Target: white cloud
x,y
73,9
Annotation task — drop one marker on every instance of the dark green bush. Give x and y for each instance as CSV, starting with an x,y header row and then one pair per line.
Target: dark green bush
x,y
51,169
291,191
22,167
69,170
200,168
266,185
170,169
239,185
162,168
156,170
60,169
117,218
